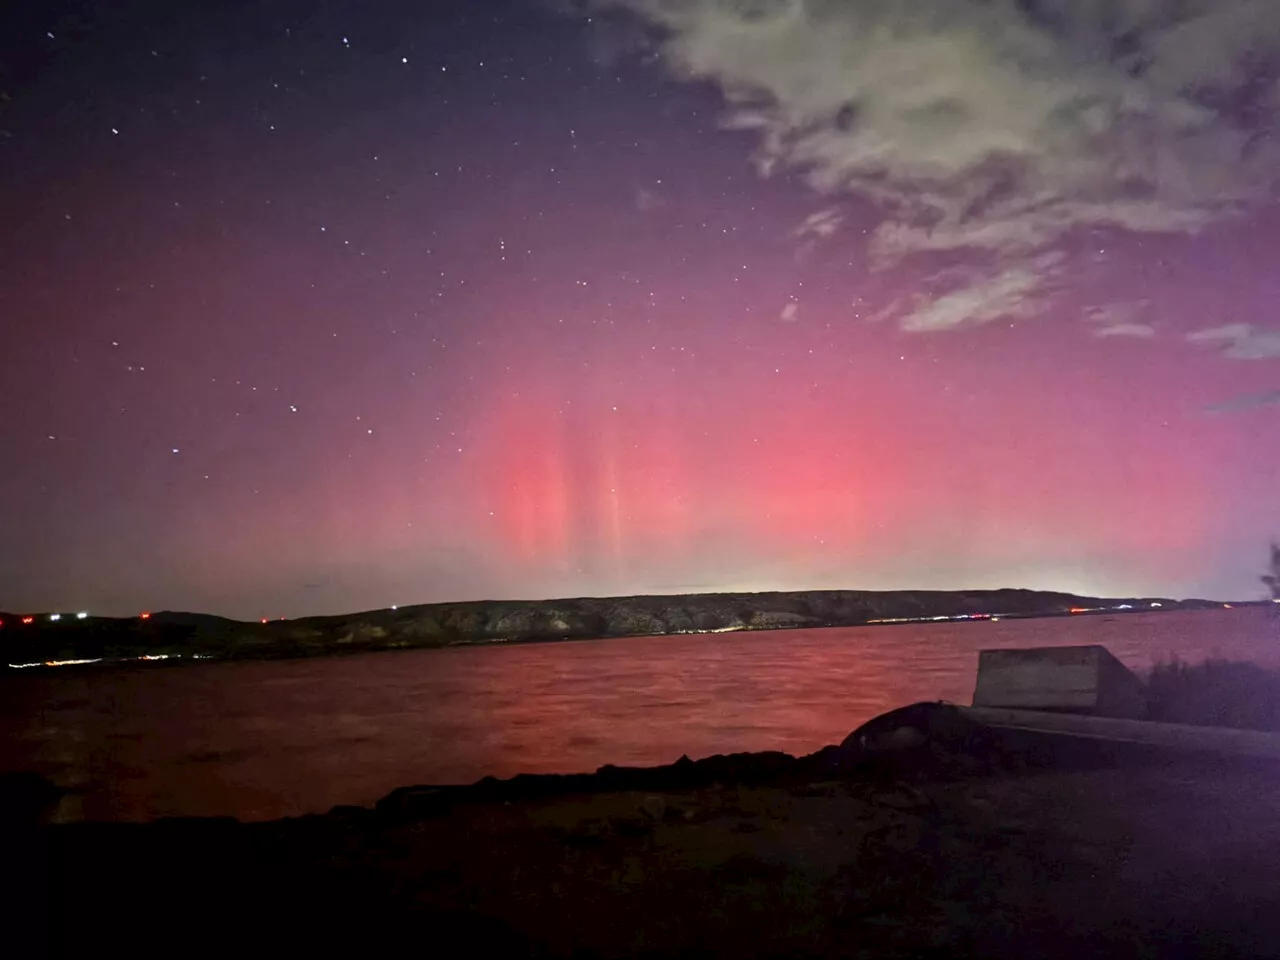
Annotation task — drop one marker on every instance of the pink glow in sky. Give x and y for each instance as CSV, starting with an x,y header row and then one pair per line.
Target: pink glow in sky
x,y
481,307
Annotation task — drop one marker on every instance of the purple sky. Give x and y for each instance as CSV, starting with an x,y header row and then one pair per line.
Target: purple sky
x,y
400,302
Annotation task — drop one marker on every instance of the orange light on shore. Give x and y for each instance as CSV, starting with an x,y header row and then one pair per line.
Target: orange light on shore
x,y
144,616
264,619
1078,610
28,619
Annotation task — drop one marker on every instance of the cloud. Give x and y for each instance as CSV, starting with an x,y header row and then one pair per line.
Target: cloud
x,y
995,125
1138,331
1250,401
646,200
790,313
821,224
966,297
1008,295
1240,341
1120,320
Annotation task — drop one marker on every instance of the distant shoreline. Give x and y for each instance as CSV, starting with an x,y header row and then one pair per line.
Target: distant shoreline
x,y
185,638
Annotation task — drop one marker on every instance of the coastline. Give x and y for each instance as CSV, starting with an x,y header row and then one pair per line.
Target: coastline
x,y
181,638
958,846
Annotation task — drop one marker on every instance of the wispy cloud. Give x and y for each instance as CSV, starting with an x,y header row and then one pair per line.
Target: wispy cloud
x,y
646,200
822,224
1240,341
1011,294
1138,331
1121,320
995,127
790,312
1249,401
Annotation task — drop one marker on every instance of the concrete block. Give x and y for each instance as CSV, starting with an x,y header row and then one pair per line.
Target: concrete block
x,y
1083,679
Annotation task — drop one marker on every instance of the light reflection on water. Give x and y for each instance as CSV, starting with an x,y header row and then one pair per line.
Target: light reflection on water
x,y
283,738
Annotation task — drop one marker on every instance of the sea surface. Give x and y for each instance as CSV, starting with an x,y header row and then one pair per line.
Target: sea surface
x,y
259,740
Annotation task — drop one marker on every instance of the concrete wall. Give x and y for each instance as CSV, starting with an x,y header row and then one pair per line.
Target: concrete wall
x,y
1081,679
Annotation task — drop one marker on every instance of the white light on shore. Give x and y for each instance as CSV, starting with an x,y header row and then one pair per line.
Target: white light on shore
x,y
81,615
55,616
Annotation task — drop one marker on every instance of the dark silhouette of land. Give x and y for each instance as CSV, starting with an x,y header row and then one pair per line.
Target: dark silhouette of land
x,y
184,635
955,845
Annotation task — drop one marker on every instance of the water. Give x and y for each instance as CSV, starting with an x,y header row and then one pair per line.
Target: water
x,y
284,738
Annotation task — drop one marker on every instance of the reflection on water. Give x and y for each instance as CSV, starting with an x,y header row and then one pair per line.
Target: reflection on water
x,y
282,738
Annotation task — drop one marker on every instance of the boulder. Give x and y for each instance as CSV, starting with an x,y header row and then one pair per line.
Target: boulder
x,y
920,741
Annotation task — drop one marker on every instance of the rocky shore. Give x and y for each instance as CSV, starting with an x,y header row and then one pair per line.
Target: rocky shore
x,y
185,636
919,836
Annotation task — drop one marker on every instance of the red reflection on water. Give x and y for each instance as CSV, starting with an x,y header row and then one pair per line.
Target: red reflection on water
x,y
261,740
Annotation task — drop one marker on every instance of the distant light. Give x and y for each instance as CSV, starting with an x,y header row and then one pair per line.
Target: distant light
x,y
144,616
1157,604
55,616
28,619
264,619
393,606
1276,600
1078,610
175,449
81,615
1125,606
1227,606
404,59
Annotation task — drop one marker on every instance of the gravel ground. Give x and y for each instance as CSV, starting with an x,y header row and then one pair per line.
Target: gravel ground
x,y
1175,859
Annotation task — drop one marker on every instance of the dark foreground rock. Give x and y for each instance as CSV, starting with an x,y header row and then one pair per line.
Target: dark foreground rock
x,y
880,847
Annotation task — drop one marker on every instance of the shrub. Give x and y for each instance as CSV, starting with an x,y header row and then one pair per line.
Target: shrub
x,y
1216,693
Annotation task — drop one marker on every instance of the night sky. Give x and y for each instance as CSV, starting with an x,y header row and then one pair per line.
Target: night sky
x,y
312,307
